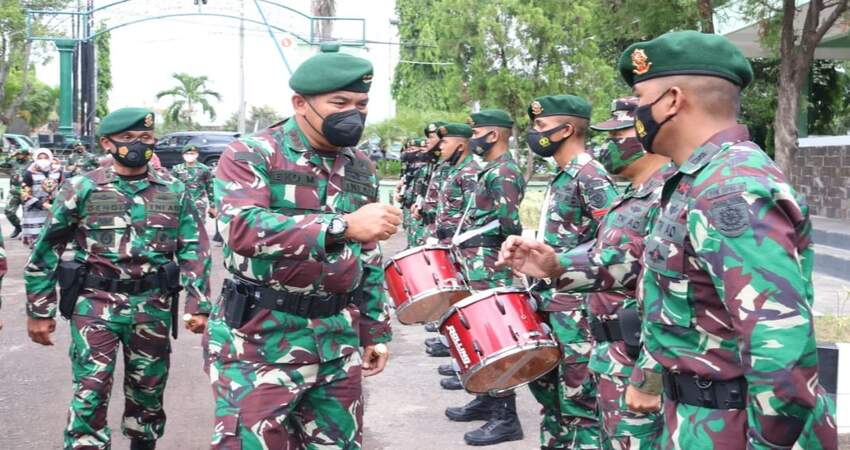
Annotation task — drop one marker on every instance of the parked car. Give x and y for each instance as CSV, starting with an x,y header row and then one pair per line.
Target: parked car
x,y
210,144
394,152
12,142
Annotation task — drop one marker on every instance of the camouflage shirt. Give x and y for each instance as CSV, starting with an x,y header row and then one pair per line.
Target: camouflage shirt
x,y
276,196
498,193
454,197
438,176
727,285
610,270
578,195
82,162
198,179
124,229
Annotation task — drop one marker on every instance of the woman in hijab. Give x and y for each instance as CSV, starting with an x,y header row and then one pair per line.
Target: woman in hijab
x,y
40,184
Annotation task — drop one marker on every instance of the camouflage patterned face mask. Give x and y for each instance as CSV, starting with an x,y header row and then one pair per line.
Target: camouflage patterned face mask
x,y
617,153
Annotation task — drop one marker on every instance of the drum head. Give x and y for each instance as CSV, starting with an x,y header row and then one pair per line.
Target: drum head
x,y
513,368
429,306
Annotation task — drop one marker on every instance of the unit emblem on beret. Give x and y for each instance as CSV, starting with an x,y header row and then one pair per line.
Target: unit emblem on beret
x,y
149,120
367,79
640,61
536,108
432,127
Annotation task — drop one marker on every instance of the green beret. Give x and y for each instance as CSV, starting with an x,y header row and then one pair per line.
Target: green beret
x,y
455,130
685,53
330,71
490,118
189,147
559,105
433,126
126,119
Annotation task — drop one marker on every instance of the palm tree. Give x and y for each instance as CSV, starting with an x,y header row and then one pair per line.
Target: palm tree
x,y
190,92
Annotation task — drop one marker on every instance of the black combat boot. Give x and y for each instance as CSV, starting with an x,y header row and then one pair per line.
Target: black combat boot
x,y
142,444
446,370
451,383
432,341
438,350
16,232
431,327
503,425
480,408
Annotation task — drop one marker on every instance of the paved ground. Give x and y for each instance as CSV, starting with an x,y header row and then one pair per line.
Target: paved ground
x,y
404,404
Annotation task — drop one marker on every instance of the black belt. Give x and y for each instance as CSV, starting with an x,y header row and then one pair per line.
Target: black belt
x,y
309,305
715,394
483,241
606,330
124,286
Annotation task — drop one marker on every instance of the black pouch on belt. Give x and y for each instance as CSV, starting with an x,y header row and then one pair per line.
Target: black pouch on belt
x,y
630,329
72,277
236,299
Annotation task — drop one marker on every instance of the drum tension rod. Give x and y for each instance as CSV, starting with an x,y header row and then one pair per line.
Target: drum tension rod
x,y
427,259
501,306
397,268
513,333
477,347
463,320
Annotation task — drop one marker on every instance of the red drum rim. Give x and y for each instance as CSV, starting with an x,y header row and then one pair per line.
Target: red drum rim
x,y
548,343
413,250
478,297
420,296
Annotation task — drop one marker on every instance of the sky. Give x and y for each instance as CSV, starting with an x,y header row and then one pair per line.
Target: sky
x,y
146,54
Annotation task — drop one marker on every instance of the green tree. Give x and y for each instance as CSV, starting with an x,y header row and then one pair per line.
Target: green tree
x,y
104,72
258,118
189,93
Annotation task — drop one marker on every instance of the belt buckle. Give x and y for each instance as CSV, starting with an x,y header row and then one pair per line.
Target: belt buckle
x,y
703,383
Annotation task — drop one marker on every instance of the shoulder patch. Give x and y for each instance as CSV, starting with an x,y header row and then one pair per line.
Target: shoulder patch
x,y
250,157
730,216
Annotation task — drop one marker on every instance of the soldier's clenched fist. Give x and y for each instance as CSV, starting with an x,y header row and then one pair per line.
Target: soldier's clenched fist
x,y
373,222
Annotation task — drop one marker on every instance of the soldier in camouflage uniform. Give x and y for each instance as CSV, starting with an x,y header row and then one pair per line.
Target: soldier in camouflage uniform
x,y
460,181
16,165
80,160
301,228
579,194
426,208
127,221
429,156
495,205
609,273
727,286
198,178
413,161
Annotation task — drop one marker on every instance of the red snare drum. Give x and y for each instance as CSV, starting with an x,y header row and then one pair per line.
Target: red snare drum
x,y
498,340
423,283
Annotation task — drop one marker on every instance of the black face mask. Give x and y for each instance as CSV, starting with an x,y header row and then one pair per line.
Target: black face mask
x,y
138,153
541,143
480,146
341,129
455,156
646,126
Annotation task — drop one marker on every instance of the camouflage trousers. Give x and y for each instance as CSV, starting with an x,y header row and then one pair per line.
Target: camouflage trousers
x,y
93,352
11,210
567,394
623,429
480,271
409,229
693,427
263,405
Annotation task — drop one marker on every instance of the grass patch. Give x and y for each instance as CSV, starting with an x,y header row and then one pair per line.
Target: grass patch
x,y
529,209
832,328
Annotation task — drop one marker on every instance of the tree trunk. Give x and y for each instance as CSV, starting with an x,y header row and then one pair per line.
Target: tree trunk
x,y
323,29
785,121
706,10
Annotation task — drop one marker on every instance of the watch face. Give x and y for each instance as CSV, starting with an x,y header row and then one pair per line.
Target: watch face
x,y
336,226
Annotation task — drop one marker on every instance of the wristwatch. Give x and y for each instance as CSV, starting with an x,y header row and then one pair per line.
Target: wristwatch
x,y
336,229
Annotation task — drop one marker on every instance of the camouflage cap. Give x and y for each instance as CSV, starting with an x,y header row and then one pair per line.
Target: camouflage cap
x,y
455,130
126,119
622,115
491,118
685,53
559,105
433,126
330,70
189,147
